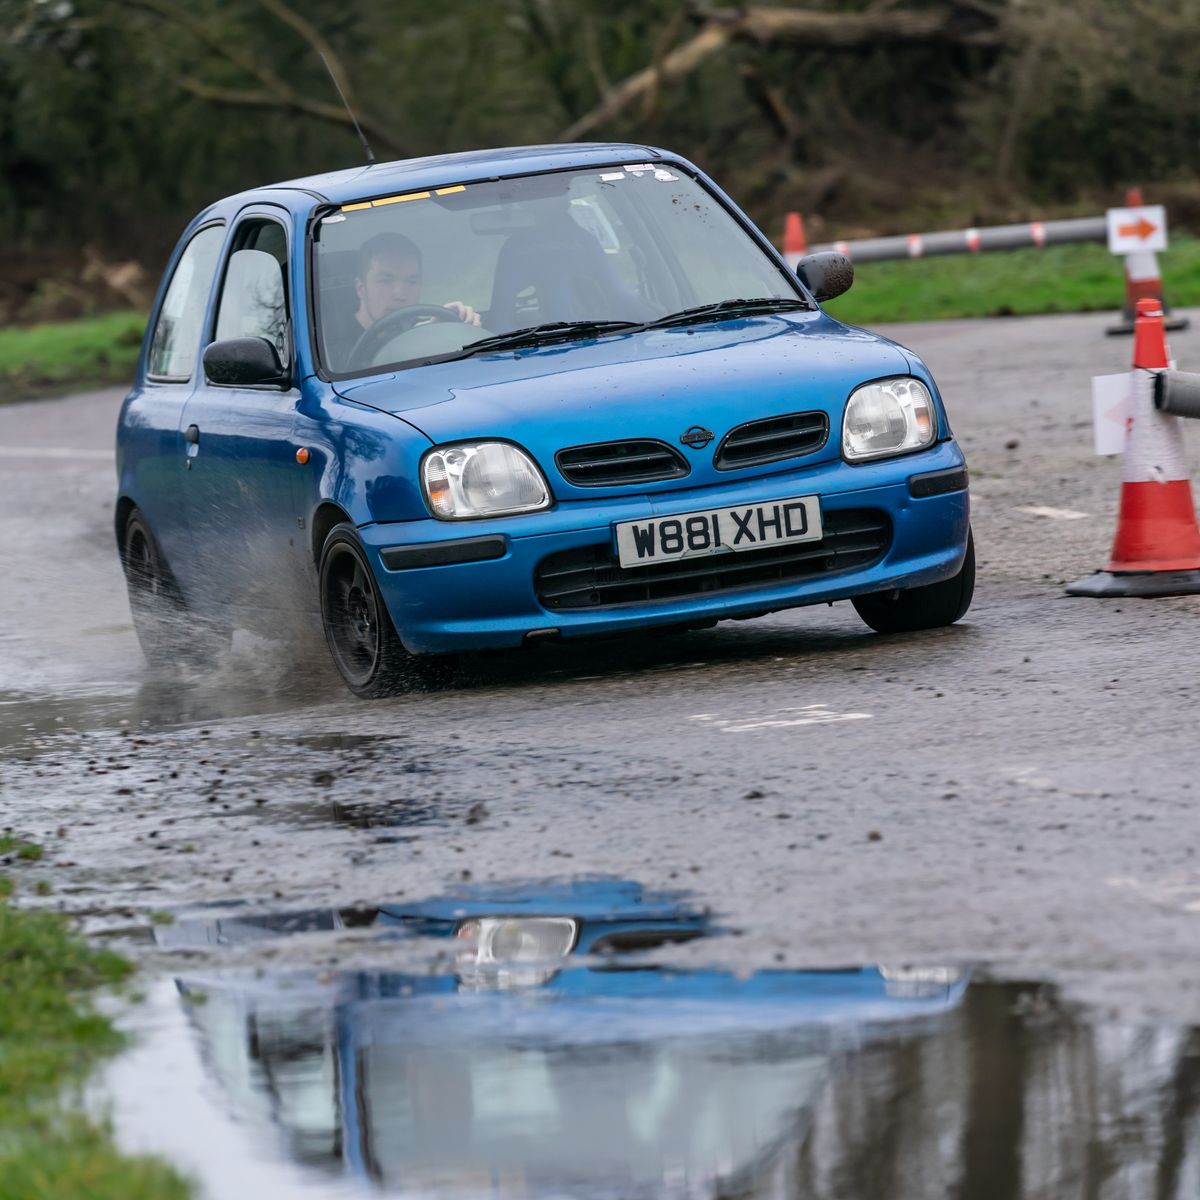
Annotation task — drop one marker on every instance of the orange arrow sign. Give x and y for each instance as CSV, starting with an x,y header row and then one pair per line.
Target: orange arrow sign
x,y
1141,229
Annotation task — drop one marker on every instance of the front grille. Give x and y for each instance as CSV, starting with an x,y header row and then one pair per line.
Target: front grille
x,y
637,460
771,439
590,577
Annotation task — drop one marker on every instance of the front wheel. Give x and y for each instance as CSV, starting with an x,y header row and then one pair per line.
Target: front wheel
x,y
928,607
362,640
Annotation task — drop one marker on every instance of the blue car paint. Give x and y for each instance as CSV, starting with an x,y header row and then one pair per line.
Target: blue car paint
x,y
379,1017
242,538
603,909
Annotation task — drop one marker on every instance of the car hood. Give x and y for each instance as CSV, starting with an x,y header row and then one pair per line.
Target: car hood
x,y
647,384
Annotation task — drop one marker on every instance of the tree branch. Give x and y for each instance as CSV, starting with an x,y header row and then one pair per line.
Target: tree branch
x,y
666,39
771,103
312,35
807,28
274,92
334,114
679,62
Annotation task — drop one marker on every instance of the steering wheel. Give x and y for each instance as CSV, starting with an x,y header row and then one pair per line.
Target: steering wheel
x,y
401,320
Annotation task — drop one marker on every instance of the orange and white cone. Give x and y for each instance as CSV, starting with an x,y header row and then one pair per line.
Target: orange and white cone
x,y
1156,551
1143,281
795,247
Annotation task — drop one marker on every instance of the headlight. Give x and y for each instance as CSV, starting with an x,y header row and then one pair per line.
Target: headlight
x,y
890,416
504,953
915,983
482,479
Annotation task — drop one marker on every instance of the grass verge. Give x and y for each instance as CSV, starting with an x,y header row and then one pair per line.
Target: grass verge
x,y
40,359
1081,278
51,1036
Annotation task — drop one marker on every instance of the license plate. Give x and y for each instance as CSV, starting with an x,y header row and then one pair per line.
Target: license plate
x,y
719,531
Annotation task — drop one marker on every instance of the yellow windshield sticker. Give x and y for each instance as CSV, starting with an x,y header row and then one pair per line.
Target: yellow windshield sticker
x,y
400,199
361,204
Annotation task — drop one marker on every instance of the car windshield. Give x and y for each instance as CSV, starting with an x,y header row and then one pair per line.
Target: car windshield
x,y
406,279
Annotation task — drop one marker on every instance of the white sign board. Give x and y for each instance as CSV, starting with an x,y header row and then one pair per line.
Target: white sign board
x,y
1134,229
1112,404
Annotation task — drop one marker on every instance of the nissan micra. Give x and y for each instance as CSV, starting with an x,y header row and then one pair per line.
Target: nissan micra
x,y
483,399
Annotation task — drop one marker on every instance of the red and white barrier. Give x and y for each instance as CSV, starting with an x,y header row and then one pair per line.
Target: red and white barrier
x,y
971,241
1131,232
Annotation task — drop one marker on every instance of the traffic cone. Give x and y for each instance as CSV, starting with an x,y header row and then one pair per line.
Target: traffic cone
x,y
1142,282
1156,551
795,247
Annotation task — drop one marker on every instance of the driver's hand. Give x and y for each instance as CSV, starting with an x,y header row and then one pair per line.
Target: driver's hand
x,y
465,312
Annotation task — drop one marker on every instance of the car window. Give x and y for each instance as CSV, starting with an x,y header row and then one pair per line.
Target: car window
x,y
627,243
181,319
253,301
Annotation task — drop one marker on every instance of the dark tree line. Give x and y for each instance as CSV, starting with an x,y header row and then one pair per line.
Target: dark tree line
x,y
120,118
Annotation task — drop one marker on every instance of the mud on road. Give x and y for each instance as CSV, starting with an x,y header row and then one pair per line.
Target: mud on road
x,y
1018,790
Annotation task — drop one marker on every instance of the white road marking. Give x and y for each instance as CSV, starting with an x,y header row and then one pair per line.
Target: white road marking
x,y
1179,895
54,452
1055,514
808,714
1029,777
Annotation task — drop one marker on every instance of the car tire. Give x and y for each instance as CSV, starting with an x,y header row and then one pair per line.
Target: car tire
x,y
929,607
160,617
362,640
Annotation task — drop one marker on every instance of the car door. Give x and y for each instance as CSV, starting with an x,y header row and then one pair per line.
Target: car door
x,y
240,482
150,443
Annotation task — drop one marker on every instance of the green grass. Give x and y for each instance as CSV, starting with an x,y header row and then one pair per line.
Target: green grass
x,y
26,851
35,359
1080,278
51,1036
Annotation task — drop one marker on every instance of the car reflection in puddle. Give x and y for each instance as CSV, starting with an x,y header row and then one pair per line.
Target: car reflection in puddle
x,y
550,1058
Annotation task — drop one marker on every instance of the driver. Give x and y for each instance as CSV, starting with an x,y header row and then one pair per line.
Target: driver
x,y
389,278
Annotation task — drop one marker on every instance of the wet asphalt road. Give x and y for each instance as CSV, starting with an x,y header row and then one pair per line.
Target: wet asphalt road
x,y
1019,789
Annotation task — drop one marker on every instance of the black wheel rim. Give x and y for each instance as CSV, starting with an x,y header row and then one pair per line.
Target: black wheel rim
x,y
141,566
352,615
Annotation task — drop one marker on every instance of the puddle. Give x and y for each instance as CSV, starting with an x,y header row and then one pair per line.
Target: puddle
x,y
363,744
331,761
575,917
33,723
546,1053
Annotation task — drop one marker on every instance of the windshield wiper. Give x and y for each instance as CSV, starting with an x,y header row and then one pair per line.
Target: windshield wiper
x,y
730,308
541,335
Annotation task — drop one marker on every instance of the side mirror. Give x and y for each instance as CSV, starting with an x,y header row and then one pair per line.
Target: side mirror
x,y
245,362
826,274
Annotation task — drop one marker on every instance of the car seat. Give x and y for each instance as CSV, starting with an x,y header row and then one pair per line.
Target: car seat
x,y
336,273
557,271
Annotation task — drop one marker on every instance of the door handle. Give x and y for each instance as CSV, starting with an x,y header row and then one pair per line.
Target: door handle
x,y
192,435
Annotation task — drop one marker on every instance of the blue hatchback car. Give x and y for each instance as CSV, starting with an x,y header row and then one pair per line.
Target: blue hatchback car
x,y
482,399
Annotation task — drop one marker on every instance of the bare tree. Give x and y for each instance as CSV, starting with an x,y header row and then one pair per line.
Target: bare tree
x,y
271,90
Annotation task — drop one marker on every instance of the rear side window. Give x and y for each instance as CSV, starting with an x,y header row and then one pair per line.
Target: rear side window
x,y
181,318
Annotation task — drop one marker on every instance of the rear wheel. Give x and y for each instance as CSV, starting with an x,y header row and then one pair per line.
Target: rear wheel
x,y
361,638
928,607
160,617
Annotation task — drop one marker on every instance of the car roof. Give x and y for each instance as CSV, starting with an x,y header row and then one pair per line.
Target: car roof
x,y
378,179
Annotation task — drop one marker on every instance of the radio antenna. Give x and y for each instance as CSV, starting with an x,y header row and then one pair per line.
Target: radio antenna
x,y
362,137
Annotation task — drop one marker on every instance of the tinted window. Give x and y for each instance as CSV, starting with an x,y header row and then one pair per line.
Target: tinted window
x,y
254,294
181,318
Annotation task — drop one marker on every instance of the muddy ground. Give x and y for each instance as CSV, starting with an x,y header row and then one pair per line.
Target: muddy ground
x,y
1019,790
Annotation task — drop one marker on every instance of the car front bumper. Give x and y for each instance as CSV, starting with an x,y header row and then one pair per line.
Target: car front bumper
x,y
490,601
